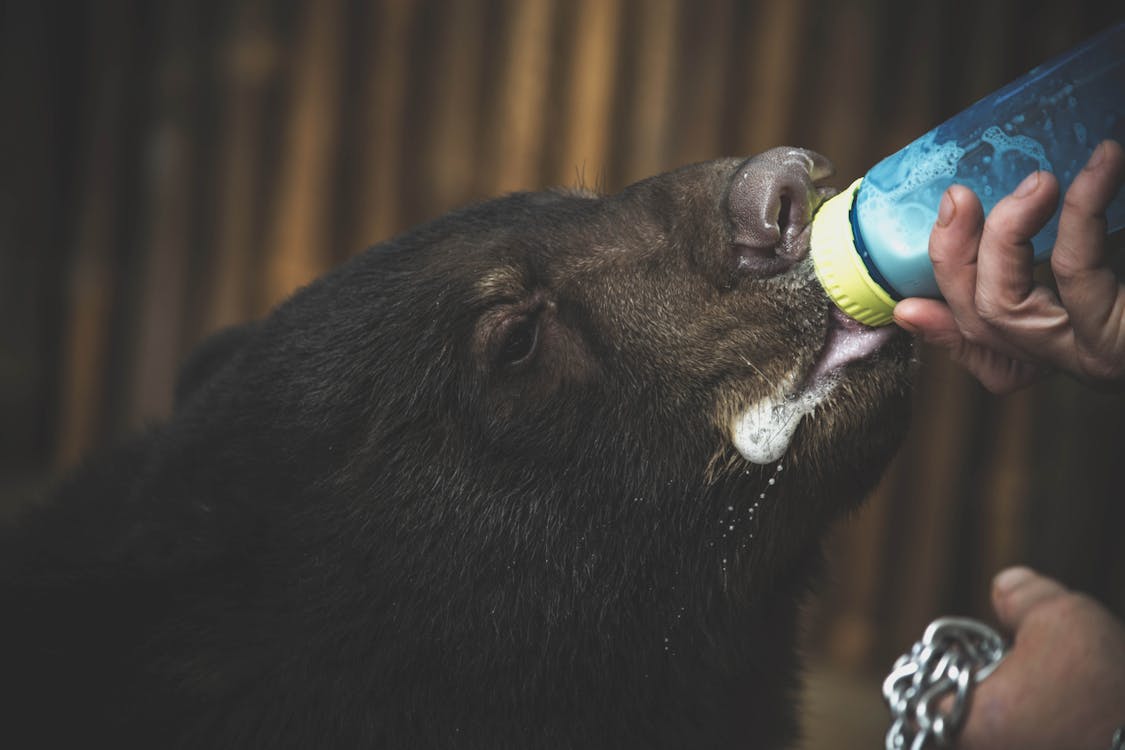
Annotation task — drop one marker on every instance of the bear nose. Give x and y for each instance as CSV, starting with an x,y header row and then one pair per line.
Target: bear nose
x,y
771,201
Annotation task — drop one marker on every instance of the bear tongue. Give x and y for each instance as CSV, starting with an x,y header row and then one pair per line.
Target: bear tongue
x,y
848,340
762,433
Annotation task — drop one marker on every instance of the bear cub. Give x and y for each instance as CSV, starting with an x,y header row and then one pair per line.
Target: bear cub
x,y
512,479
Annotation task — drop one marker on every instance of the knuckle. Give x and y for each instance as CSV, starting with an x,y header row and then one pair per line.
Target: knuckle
x,y
1005,227
1065,266
1079,202
992,313
940,250
1069,606
992,310
1099,367
975,336
948,248
1007,311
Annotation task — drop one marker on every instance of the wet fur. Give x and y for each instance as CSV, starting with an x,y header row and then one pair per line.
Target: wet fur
x,y
359,530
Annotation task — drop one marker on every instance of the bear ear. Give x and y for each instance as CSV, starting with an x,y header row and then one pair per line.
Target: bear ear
x,y
207,359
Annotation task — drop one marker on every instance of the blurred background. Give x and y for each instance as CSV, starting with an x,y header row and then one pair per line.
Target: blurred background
x,y
170,168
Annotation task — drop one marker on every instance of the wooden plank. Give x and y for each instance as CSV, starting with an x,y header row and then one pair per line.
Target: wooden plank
x,y
169,174
765,106
913,61
377,193
920,554
247,63
845,625
449,156
34,56
839,96
648,98
704,36
514,140
92,283
299,233
591,59
1002,503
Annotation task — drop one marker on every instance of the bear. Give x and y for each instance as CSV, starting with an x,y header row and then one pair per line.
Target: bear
x,y
549,471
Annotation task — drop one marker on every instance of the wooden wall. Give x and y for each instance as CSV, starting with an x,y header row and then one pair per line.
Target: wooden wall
x,y
170,168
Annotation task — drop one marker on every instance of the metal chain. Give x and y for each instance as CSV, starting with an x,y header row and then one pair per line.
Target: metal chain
x,y
954,654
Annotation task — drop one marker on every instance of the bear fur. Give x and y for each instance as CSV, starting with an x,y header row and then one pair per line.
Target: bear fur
x,y
473,489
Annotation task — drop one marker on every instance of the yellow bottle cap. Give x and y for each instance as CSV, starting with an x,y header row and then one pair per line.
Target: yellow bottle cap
x,y
841,270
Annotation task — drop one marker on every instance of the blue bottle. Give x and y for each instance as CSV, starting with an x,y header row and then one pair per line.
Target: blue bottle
x,y
870,243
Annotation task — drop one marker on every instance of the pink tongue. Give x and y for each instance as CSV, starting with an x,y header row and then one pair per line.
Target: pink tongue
x,y
847,341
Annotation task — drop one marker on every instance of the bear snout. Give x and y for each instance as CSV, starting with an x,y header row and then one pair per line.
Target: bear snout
x,y
771,201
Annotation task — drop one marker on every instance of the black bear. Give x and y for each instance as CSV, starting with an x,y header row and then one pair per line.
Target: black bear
x,y
550,471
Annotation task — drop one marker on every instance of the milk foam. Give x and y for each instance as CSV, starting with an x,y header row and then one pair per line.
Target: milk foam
x,y
762,433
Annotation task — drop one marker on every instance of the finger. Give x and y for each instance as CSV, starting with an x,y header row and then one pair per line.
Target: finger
x,y
956,246
1087,285
1005,262
1016,591
934,322
1024,319
953,250
930,318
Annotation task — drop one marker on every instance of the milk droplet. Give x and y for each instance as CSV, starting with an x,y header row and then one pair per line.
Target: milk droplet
x,y
762,433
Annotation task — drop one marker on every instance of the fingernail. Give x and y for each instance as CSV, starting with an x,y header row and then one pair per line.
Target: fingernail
x,y
1027,187
945,210
902,323
906,325
1096,157
1007,580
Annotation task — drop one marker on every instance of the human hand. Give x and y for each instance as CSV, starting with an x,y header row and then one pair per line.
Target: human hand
x,y
1006,329
1062,684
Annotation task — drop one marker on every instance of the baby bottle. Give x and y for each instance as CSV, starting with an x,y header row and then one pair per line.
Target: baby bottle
x,y
869,244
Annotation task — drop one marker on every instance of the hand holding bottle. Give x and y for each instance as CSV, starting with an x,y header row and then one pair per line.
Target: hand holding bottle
x,y
997,321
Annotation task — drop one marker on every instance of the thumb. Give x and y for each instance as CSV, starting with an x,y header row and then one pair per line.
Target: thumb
x,y
1016,591
931,319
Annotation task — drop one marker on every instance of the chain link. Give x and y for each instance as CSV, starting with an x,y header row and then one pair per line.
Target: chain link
x,y
954,654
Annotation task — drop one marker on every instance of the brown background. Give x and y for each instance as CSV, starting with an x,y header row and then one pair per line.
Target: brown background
x,y
170,168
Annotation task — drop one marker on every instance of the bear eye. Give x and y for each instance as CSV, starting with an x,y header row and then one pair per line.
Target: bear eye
x,y
518,340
